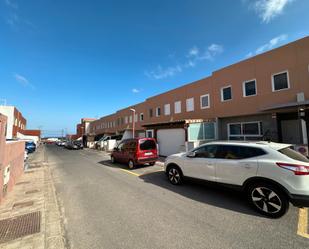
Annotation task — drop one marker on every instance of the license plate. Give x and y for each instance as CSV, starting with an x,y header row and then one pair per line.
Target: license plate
x,y
148,153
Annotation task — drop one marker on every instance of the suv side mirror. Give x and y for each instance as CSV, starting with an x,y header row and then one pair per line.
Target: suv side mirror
x,y
191,154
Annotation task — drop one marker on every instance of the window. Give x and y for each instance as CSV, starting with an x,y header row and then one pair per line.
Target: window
x,y
130,118
150,113
167,109
208,151
204,99
158,112
202,131
126,119
249,88
178,107
135,117
294,154
149,133
147,145
141,117
245,131
238,152
190,104
226,93
280,81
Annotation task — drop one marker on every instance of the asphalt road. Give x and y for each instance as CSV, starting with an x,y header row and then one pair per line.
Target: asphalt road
x,y
106,206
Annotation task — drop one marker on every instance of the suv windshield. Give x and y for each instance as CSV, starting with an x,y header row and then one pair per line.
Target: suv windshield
x,y
294,155
147,145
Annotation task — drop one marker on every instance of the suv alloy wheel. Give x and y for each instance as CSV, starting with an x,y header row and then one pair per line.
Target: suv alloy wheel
x,y
174,175
268,200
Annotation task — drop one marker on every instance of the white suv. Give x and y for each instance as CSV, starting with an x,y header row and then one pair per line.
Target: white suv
x,y
271,174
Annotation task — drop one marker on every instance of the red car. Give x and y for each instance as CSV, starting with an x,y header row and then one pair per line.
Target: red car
x,y
136,151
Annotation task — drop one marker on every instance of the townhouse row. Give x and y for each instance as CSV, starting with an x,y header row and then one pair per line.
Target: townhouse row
x,y
265,97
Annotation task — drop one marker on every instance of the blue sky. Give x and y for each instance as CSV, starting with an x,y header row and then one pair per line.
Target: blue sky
x,y
62,60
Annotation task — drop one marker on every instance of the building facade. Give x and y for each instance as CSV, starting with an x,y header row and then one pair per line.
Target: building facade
x,y
265,97
16,123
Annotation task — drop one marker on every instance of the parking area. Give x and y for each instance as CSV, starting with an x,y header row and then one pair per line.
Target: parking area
x,y
147,211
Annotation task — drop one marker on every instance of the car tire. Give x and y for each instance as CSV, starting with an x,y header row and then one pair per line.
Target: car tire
x,y
131,164
268,199
174,175
113,159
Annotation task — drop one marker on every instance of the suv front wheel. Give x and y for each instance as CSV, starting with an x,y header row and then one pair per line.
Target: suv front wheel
x,y
174,175
268,199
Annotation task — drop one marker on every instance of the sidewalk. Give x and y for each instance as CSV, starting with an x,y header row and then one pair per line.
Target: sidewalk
x,y
33,206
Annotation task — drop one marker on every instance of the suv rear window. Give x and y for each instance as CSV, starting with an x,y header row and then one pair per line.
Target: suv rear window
x,y
147,145
294,155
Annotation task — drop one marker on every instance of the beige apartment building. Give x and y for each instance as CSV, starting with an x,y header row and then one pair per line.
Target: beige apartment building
x,y
265,97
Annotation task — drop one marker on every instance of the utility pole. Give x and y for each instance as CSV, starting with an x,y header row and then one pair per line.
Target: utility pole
x,y
133,126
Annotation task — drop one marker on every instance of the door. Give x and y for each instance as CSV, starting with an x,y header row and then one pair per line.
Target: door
x,y
235,164
291,131
203,164
171,141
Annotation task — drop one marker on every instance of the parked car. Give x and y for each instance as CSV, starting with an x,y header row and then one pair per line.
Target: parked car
x,y
30,146
60,143
74,145
271,174
135,152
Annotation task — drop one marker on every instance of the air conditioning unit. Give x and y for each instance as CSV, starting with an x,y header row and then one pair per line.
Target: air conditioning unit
x,y
300,97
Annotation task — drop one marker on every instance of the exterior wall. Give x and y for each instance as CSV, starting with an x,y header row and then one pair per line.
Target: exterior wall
x,y
15,122
8,111
293,57
36,133
269,125
12,155
79,130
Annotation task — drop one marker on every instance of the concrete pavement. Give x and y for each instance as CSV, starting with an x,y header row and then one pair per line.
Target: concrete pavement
x,y
107,206
34,193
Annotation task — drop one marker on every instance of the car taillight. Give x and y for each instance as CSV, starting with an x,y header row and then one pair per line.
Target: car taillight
x,y
299,170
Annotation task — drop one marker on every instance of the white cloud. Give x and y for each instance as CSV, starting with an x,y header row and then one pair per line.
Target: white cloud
x,y
11,4
194,56
271,44
215,49
193,51
161,73
135,90
269,9
23,81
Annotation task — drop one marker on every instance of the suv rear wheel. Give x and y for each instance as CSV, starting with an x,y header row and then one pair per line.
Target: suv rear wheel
x,y
268,199
131,164
174,175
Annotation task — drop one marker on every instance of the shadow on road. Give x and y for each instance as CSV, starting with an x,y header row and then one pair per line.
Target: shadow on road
x,y
204,192
108,163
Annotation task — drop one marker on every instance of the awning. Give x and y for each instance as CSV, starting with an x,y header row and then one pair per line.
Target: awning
x,y
286,105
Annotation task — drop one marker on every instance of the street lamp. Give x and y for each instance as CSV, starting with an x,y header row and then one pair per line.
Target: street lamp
x,y
133,110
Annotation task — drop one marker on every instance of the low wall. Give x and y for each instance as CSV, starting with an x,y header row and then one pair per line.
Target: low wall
x,y
11,161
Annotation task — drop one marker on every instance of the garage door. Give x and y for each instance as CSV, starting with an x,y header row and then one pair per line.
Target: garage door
x,y
170,141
